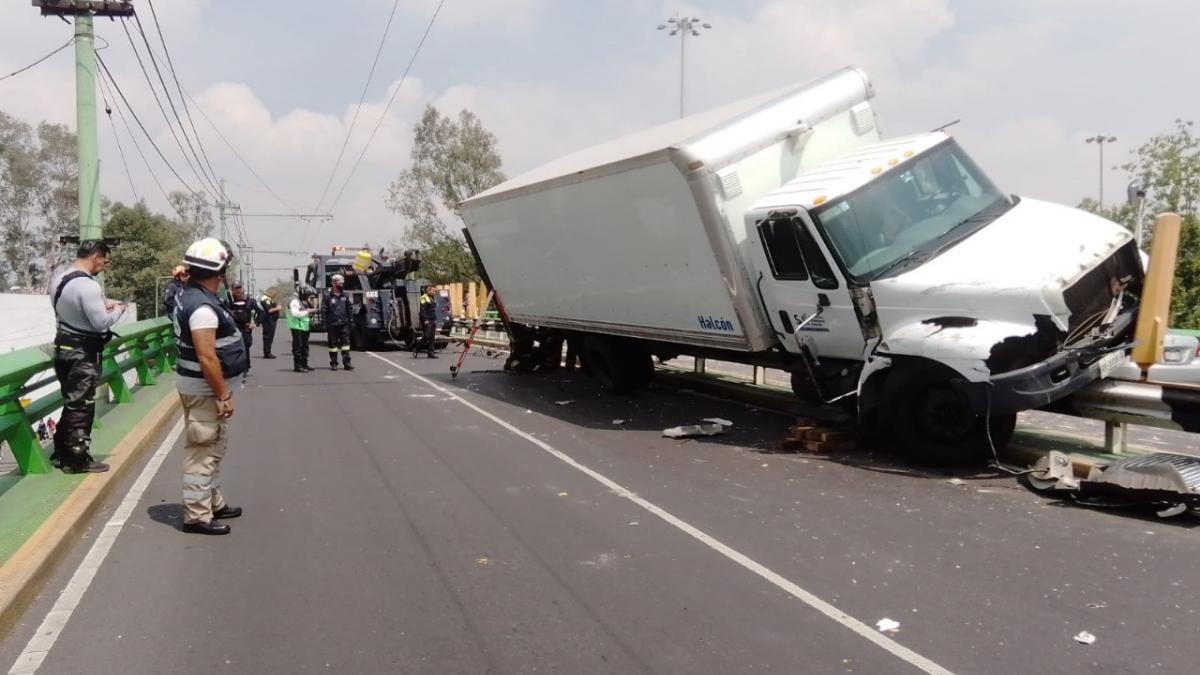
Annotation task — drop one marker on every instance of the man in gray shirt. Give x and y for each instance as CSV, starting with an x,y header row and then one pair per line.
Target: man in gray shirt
x,y
84,318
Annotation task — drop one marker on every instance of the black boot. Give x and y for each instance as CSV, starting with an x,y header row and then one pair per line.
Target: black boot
x,y
206,528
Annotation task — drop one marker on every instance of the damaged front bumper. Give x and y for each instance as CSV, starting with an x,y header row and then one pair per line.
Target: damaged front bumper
x,y
1043,383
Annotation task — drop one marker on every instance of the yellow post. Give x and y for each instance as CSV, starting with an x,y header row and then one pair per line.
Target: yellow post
x,y
483,293
472,301
1155,309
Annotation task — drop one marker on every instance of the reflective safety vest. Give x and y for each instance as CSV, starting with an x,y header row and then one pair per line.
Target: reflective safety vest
x,y
303,323
428,308
231,349
268,304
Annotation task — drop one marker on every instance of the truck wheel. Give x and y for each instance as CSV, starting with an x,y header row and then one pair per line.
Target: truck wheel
x,y
618,365
933,423
805,390
358,338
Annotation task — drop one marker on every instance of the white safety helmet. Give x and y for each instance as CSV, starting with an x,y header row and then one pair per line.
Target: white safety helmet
x,y
208,254
339,279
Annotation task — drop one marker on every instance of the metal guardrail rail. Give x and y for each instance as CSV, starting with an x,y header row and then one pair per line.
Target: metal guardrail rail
x,y
145,346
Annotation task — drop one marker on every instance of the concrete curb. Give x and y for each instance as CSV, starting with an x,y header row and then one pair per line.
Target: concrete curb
x,y
26,572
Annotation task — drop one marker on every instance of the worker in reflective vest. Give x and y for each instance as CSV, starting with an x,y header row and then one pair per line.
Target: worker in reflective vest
x,y
212,359
84,318
428,317
246,314
337,323
299,322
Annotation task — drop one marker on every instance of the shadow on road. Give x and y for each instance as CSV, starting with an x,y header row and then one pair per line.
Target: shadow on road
x,y
167,514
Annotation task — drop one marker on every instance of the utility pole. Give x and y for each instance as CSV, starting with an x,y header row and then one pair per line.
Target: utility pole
x,y
87,147
1101,139
682,26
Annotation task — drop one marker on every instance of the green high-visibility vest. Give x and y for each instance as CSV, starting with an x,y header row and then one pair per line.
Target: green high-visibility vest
x,y
298,322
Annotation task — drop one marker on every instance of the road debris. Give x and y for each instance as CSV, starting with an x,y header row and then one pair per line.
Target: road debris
x,y
562,494
692,430
1085,638
618,421
718,420
1168,483
957,481
886,625
566,402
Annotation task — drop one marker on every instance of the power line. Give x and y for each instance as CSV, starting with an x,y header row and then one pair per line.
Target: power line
x,y
161,109
18,71
391,100
363,97
237,154
179,88
116,87
120,150
136,146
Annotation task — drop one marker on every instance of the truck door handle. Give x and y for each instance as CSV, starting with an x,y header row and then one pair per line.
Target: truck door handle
x,y
787,322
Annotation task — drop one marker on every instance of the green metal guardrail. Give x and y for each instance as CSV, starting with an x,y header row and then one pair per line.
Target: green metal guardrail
x,y
148,347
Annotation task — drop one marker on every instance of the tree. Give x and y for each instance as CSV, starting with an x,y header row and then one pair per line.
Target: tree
x,y
20,178
58,194
451,161
151,245
193,212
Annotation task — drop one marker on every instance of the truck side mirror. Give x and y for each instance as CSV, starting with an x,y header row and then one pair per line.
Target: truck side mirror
x,y
1136,193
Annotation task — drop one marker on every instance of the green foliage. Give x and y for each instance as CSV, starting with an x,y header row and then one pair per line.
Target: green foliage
x,y
1168,167
451,161
151,245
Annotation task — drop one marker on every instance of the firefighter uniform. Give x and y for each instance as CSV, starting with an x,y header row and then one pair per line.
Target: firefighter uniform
x,y
337,323
207,433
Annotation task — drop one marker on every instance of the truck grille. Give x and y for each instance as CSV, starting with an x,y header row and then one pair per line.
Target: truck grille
x,y
1090,297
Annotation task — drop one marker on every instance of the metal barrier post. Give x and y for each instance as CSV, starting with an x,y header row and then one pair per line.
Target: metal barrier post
x,y
760,375
1116,437
698,366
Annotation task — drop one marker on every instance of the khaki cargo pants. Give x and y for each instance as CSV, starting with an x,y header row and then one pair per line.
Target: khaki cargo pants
x,y
206,438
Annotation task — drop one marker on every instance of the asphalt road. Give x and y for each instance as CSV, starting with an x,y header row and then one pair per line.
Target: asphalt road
x,y
398,524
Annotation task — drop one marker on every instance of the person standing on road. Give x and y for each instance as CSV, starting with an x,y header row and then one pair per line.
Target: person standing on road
x,y
270,317
246,314
299,323
84,317
337,323
212,356
179,279
42,433
428,317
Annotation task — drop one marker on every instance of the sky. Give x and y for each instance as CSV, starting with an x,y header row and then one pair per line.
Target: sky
x,y
1029,81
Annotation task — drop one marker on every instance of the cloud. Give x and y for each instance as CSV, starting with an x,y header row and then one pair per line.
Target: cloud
x,y
496,14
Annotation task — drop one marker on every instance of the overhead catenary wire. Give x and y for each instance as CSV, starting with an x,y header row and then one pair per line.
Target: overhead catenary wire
x,y
117,88
210,177
136,145
121,151
386,108
18,71
178,87
167,118
362,98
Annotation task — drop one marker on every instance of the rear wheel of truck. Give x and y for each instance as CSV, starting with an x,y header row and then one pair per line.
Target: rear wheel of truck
x,y
932,421
620,366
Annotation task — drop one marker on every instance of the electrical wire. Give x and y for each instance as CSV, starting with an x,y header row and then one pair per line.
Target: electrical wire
x,y
117,88
18,71
182,100
388,107
163,110
237,154
120,150
136,146
362,97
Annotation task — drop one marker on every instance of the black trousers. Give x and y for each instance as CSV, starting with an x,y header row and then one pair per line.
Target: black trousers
x,y
77,367
300,348
339,341
248,339
268,335
426,341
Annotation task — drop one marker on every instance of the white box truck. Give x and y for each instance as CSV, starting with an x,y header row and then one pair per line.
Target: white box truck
x,y
781,231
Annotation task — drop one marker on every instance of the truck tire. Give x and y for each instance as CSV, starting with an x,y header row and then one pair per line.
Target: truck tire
x,y
932,422
620,366
358,338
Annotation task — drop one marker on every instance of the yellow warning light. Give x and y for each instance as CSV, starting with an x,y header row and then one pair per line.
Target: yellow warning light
x,y
877,170
819,200
908,153
893,162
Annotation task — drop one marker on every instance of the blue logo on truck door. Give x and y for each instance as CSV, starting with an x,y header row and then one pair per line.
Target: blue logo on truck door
x,y
709,323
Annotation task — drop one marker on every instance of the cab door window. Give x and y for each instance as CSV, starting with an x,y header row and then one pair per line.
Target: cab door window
x,y
793,253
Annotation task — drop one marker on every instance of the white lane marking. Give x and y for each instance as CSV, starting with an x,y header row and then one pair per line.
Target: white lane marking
x,y
863,630
43,640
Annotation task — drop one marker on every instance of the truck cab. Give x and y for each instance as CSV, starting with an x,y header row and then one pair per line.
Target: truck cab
x,y
900,274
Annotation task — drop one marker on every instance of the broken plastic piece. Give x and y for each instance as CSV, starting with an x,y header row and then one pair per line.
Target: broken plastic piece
x,y
618,421
718,420
691,430
1085,638
886,625
566,402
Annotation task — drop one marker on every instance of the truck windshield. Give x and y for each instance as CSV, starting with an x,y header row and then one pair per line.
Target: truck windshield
x,y
911,213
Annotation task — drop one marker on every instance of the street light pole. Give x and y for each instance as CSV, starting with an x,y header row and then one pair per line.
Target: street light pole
x,y
1100,140
682,26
